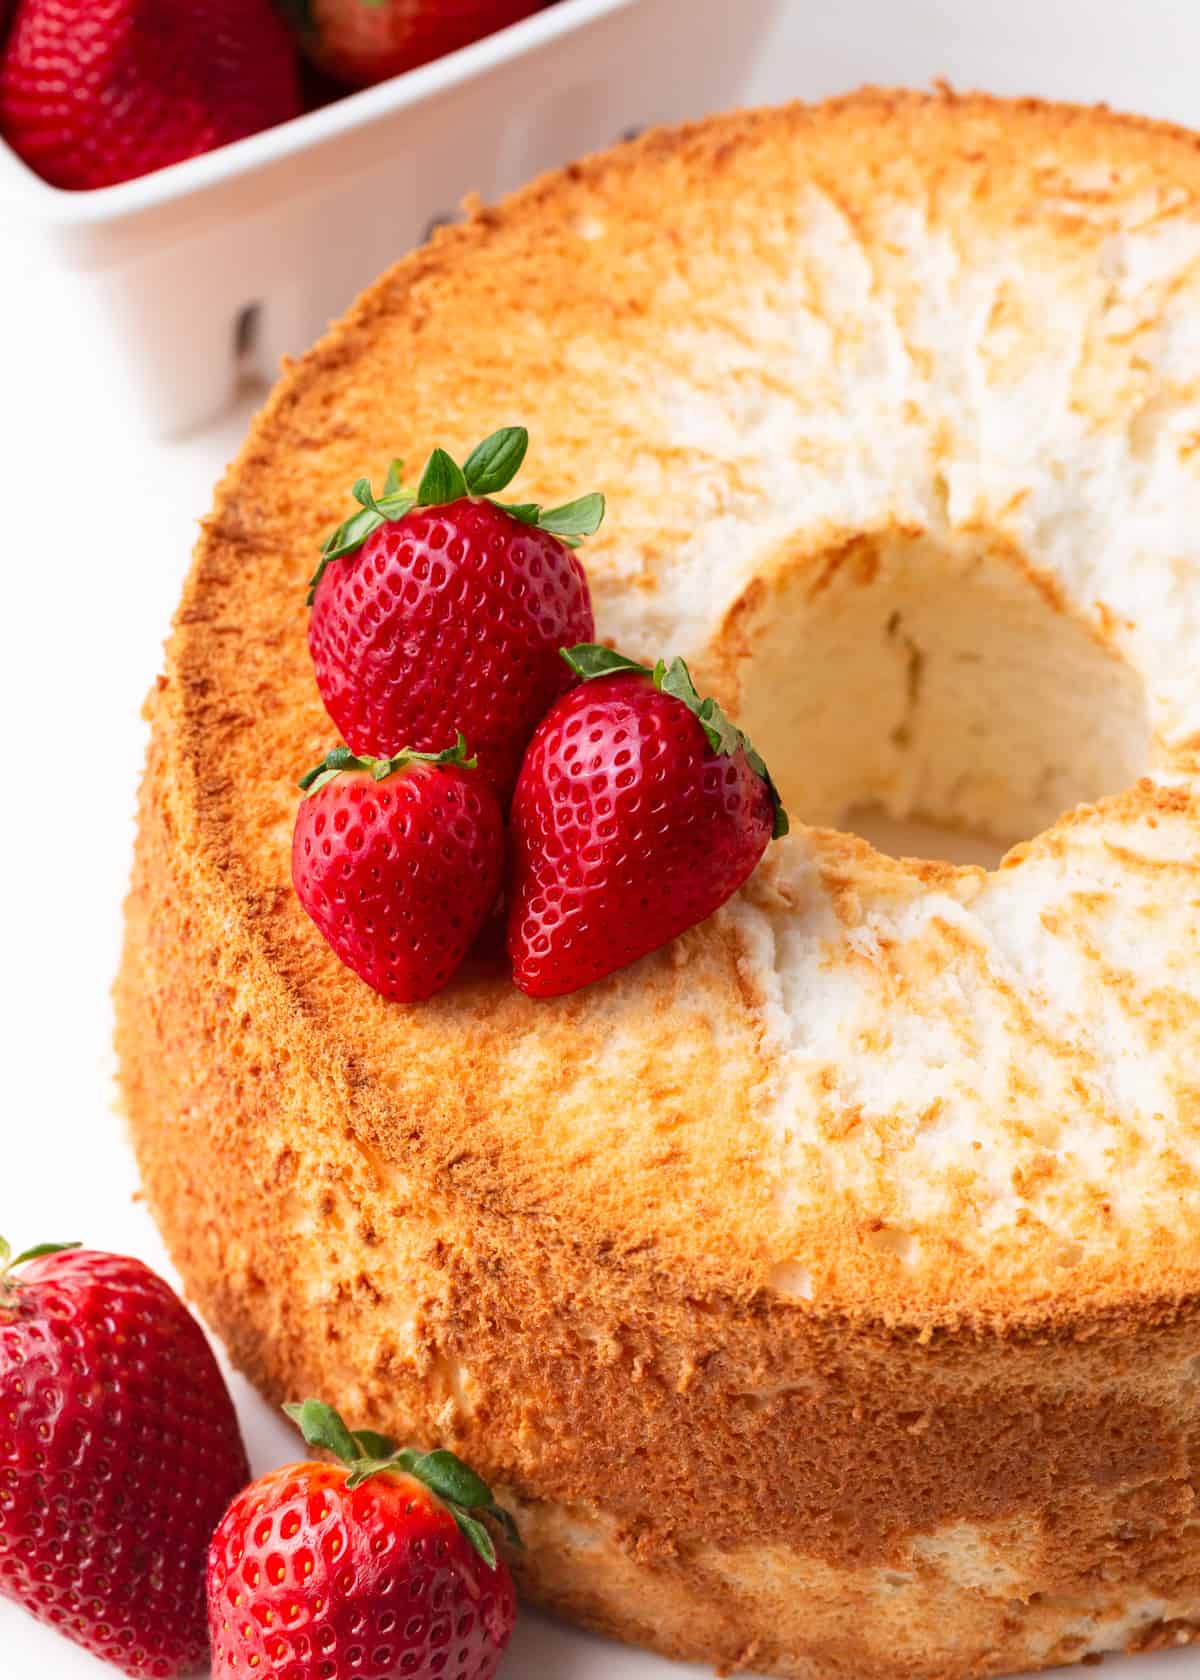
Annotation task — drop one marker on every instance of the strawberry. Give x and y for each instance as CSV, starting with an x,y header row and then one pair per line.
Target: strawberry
x,y
379,1566
98,91
444,610
365,41
398,861
639,809
119,1450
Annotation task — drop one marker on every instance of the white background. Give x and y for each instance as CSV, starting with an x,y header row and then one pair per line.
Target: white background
x,y
94,539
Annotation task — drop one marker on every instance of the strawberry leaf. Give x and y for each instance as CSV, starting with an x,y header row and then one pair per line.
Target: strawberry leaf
x,y
494,463
676,679
441,482
321,1426
379,769
476,1533
452,1480
489,468
371,1445
367,1454
463,1493
9,1264
373,512
353,533
723,735
40,1249
579,518
589,660
334,762
754,759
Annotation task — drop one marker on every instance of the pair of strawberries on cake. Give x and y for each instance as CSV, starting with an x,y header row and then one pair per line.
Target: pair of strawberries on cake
x,y
492,745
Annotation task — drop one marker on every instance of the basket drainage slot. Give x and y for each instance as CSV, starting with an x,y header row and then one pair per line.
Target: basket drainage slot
x,y
247,331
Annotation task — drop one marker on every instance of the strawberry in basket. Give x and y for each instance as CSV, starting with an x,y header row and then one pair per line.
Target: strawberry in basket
x,y
364,41
93,92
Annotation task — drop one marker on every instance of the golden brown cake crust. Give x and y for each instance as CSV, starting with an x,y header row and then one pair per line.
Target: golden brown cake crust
x,y
547,1233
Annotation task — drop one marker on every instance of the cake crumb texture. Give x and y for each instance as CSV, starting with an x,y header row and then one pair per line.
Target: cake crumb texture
x,y
822,1289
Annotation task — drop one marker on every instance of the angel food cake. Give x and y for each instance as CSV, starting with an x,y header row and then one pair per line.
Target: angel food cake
x,y
822,1291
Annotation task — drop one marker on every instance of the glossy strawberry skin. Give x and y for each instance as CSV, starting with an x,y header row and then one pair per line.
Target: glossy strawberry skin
x,y
322,1582
119,1451
447,620
626,829
399,875
363,41
93,92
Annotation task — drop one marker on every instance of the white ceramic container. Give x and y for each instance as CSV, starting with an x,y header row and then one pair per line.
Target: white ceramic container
x,y
195,276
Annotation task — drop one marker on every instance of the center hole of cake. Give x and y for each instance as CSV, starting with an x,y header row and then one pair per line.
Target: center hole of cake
x,y
944,701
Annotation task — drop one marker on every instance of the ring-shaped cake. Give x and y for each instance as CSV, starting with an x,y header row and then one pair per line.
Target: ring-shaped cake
x,y
822,1290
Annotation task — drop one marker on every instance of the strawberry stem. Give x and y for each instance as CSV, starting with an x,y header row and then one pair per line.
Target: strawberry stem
x,y
365,1454
590,660
442,481
493,464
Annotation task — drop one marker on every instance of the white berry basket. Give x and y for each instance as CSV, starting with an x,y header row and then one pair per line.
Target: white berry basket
x,y
200,274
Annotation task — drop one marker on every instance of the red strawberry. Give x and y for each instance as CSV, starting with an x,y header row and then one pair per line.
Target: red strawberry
x,y
378,1567
98,91
364,41
119,1450
398,861
444,611
639,809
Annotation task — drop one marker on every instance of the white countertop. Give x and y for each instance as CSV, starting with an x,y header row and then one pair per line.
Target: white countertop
x,y
97,528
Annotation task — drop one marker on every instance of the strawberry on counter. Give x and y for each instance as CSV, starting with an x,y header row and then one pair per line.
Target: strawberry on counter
x,y
381,1565
119,1451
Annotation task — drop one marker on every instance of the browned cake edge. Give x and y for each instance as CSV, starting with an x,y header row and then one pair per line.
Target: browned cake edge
x,y
652,1424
